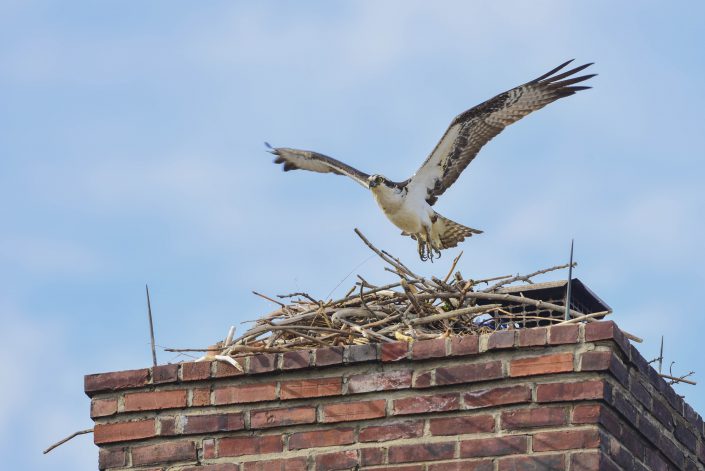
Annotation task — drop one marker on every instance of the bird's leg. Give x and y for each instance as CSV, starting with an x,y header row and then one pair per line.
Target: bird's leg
x,y
421,248
429,244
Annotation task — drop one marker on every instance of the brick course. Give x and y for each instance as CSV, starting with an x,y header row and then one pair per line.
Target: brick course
x,y
572,398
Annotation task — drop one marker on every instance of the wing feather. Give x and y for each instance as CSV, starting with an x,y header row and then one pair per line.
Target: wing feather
x,y
296,159
474,128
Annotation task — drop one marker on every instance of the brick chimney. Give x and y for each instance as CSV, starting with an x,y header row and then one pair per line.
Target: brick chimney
x,y
572,397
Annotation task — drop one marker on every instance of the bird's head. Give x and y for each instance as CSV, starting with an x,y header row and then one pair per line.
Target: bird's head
x,y
376,180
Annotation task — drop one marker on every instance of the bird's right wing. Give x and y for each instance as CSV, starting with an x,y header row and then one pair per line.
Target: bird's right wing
x,y
295,159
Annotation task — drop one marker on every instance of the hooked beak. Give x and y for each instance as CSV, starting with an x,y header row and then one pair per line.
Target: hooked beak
x,y
373,183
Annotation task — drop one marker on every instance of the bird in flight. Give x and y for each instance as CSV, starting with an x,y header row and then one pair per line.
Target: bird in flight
x,y
408,204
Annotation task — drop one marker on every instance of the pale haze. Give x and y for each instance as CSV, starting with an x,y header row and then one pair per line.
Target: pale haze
x,y
132,151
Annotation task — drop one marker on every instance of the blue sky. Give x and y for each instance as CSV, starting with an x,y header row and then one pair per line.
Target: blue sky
x,y
131,152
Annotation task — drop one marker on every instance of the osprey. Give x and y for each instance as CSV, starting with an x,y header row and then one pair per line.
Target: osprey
x,y
408,204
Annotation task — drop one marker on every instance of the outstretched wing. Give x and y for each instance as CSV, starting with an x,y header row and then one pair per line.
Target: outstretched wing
x,y
474,128
295,159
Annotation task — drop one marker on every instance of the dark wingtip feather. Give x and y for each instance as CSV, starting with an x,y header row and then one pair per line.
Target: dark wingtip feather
x,y
551,72
271,150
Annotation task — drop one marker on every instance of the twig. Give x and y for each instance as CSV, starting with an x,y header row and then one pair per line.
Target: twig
x,y
151,326
303,295
73,435
452,267
633,337
585,317
268,298
456,313
679,379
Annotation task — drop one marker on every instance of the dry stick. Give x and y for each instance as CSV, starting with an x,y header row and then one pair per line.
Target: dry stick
x,y
452,267
304,295
679,379
390,260
633,337
508,297
412,298
268,298
526,278
61,442
458,312
151,327
585,317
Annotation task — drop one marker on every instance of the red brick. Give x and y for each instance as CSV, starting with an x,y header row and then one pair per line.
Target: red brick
x,y
258,445
544,364
165,374
311,388
379,381
533,337
403,467
115,381
112,458
463,465
391,431
500,340
226,370
531,463
281,417
155,400
167,452
296,360
209,450
209,423
498,446
462,425
435,348
533,417
468,373
662,413
421,452
329,356
562,334
497,396
245,393
605,360
342,460
212,467
581,390
361,353
586,414
424,404
465,345
291,464
395,351
200,397
262,363
194,371
585,461
167,426
346,411
103,407
123,431
371,456
566,440
423,379
316,438
604,330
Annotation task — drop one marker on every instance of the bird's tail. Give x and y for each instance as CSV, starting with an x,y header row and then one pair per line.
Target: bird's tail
x,y
450,232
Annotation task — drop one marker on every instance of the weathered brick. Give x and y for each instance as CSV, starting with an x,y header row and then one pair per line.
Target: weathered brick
x,y
339,460
465,345
240,394
562,334
316,438
400,379
607,330
497,446
501,339
361,353
468,373
424,404
123,431
209,449
209,423
311,388
290,464
585,461
103,407
296,360
112,458
167,426
200,397
575,391
165,374
371,456
586,414
640,392
395,351
421,452
533,417
423,379
115,381
671,451
673,399
346,411
435,348
226,370
662,414
530,463
566,440
281,417
391,431
195,371
262,363
167,452
656,461
241,446
534,337
212,467
620,455
544,364
497,396
462,425
155,400
462,465
329,356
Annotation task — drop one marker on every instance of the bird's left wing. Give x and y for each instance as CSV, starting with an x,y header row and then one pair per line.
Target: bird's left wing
x,y
474,128
295,159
